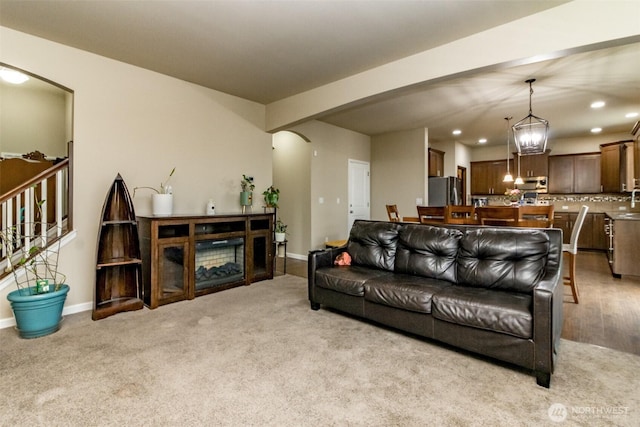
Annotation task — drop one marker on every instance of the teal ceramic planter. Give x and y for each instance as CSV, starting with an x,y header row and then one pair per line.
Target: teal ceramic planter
x,y
39,314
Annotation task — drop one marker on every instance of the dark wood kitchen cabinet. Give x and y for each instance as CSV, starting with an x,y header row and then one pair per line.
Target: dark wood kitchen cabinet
x,y
617,164
561,174
436,162
592,233
598,233
531,166
486,177
574,173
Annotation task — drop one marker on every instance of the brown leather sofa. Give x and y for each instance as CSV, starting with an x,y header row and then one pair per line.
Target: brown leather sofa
x,y
493,291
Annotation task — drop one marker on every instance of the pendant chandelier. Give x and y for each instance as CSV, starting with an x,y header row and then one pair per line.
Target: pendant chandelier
x,y
508,177
530,134
519,180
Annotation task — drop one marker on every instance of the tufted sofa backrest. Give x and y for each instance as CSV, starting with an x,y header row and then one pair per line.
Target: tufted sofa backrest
x,y
507,259
373,244
514,259
428,251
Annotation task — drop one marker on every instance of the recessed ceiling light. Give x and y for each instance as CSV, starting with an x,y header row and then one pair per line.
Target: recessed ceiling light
x,y
482,141
457,132
630,115
13,76
596,130
597,104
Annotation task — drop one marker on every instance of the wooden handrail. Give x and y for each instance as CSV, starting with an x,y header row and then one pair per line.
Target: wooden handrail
x,y
35,180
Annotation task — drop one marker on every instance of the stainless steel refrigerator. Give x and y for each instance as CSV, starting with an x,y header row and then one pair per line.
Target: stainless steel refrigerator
x,y
445,191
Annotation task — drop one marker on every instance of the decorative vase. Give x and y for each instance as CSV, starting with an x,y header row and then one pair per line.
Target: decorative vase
x,y
246,198
280,237
162,204
37,315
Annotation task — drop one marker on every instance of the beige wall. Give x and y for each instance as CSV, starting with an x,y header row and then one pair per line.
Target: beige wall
x,y
331,149
34,116
398,171
292,176
141,124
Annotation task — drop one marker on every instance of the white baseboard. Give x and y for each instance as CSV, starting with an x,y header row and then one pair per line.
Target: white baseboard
x,y
297,256
77,308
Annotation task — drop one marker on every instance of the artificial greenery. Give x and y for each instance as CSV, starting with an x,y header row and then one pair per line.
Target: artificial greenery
x,y
164,188
271,197
281,227
247,183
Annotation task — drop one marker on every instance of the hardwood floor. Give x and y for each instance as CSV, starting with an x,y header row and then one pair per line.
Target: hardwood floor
x,y
608,314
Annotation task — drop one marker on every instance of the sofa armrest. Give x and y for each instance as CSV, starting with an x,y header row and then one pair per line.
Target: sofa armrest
x,y
547,318
320,259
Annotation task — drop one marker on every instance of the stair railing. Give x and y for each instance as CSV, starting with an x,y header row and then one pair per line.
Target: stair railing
x,y
23,205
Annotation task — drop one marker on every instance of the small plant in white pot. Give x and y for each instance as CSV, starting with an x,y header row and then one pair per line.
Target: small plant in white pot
x,y
162,199
280,231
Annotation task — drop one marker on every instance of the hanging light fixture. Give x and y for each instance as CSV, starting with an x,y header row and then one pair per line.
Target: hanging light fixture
x,y
519,180
508,177
530,134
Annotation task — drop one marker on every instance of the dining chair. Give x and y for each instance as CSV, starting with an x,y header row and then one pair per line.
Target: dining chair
x,y
534,223
392,212
460,214
571,249
430,214
537,212
498,215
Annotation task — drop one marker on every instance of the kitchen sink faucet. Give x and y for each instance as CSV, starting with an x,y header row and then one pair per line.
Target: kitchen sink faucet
x,y
633,197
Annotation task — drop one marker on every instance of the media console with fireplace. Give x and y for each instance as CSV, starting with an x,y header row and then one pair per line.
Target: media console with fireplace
x,y
185,256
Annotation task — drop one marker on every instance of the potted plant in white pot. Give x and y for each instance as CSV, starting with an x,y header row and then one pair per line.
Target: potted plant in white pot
x,y
162,199
280,231
32,257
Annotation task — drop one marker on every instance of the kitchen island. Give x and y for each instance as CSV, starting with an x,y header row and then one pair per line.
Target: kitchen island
x,y
623,235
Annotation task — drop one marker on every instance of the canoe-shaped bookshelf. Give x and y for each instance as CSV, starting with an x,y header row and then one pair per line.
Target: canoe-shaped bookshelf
x,y
119,266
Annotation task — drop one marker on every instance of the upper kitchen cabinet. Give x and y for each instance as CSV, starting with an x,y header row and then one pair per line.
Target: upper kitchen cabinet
x,y
436,162
574,173
536,165
486,177
617,166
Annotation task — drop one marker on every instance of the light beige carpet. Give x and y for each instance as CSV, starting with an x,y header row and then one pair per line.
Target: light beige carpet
x,y
258,355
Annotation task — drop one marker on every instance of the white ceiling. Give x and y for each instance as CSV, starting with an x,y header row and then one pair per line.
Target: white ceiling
x,y
269,50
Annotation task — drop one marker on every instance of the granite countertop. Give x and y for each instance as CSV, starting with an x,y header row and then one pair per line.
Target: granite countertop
x,y
622,215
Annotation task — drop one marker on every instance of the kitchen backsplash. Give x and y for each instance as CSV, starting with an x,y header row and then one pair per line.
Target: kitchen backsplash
x,y
597,203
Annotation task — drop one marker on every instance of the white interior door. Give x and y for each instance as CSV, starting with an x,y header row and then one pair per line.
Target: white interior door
x,y
359,193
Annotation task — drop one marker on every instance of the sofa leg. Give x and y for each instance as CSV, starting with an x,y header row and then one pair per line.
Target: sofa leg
x,y
315,305
543,379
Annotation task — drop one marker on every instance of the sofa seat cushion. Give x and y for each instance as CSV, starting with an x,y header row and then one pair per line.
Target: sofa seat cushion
x,y
348,280
503,258
428,251
493,310
403,291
